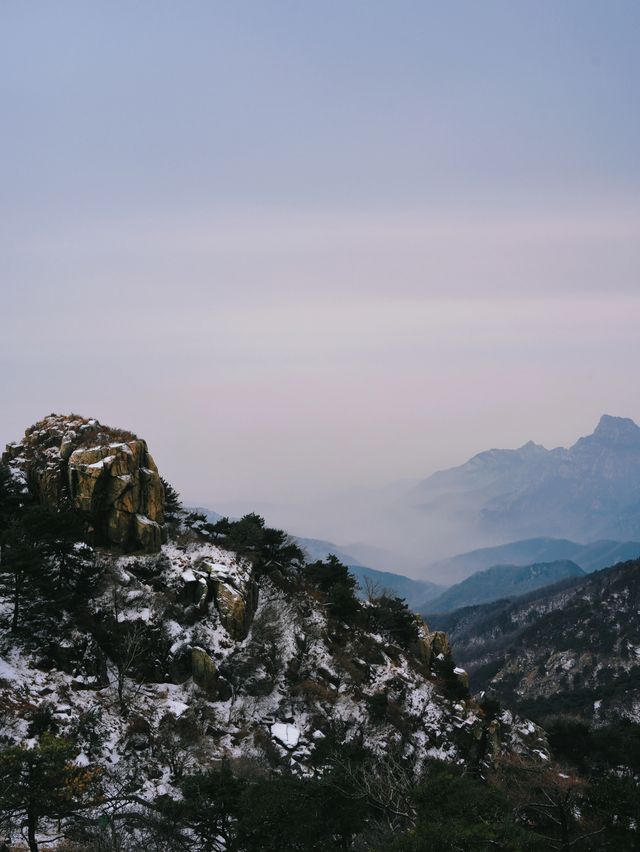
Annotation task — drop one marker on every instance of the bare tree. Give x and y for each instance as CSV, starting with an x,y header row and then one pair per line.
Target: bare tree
x,y
371,588
386,786
548,798
129,653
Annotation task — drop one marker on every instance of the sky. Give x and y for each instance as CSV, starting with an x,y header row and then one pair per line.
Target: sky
x,y
312,249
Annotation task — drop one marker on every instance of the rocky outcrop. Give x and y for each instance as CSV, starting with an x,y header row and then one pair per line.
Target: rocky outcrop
x,y
440,644
204,669
107,473
423,649
235,606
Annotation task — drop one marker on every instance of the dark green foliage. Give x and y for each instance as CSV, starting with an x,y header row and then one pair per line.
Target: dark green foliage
x,y
333,579
172,502
595,750
453,686
263,813
287,813
11,500
377,706
197,523
358,803
43,782
490,706
209,808
459,813
41,719
571,740
391,616
361,802
612,804
330,573
20,570
266,547
46,565
89,732
60,537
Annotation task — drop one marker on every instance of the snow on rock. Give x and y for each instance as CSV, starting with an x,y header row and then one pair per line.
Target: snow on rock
x,y
287,734
7,671
283,678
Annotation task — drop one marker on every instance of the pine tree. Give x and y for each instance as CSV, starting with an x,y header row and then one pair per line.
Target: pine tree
x,y
44,782
172,502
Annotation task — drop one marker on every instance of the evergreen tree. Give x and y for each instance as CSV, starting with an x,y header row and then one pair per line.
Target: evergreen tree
x,y
172,503
457,812
46,563
71,569
20,569
392,616
44,782
11,499
333,579
209,808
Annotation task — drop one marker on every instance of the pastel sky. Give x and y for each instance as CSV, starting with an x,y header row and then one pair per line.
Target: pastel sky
x,y
303,248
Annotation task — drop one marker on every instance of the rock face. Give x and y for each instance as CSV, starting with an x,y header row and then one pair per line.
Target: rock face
x,y
105,472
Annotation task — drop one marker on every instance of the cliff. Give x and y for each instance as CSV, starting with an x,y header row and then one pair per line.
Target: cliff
x,y
108,474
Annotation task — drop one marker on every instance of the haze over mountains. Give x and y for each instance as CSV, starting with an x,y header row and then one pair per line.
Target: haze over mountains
x,y
519,507
541,504
587,492
590,557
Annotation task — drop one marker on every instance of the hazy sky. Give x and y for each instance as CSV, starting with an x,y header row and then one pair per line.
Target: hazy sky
x,y
303,247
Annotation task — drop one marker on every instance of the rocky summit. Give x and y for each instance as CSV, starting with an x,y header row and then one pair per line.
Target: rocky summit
x,y
106,473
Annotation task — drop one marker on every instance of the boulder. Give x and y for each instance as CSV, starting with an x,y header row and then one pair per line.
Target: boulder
x,y
203,668
462,677
440,643
235,606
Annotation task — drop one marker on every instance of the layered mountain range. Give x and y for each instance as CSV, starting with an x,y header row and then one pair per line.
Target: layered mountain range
x,y
586,492
590,557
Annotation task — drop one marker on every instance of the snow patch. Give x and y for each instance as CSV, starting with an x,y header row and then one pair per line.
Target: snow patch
x,y
288,735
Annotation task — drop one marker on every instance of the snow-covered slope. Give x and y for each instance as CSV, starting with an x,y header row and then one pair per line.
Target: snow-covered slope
x,y
293,671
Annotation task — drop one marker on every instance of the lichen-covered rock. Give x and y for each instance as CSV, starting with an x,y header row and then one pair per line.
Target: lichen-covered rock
x,y
107,473
423,646
440,643
235,606
203,668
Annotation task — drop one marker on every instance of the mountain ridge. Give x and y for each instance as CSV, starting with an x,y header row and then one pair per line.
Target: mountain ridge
x,y
572,647
501,581
590,557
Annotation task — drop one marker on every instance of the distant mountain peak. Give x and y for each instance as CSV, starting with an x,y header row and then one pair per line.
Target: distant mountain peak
x,y
618,429
588,491
532,447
